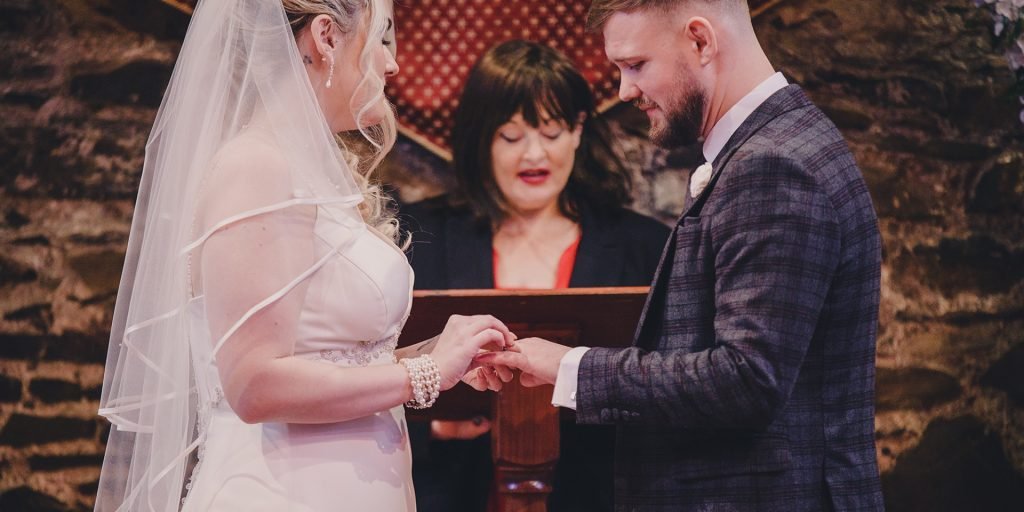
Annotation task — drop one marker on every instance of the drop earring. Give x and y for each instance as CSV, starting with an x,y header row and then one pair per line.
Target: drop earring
x,y
330,74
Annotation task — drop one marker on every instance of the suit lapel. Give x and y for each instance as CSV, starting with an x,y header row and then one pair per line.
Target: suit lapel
x,y
785,100
655,297
599,256
470,258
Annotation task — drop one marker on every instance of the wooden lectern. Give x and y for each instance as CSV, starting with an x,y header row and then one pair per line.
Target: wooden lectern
x,y
524,437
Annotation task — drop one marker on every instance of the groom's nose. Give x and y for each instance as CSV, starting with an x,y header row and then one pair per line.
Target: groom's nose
x,y
628,91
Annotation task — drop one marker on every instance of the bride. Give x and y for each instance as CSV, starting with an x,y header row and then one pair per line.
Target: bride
x,y
252,363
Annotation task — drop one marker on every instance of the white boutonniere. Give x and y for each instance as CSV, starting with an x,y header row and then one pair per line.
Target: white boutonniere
x,y
699,179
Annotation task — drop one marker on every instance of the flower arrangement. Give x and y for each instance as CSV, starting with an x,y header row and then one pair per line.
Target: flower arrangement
x,y
1008,16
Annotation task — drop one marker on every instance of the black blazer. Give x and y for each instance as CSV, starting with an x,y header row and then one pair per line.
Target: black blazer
x,y
451,250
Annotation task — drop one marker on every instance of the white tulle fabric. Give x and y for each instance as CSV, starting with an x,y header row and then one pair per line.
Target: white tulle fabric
x,y
245,223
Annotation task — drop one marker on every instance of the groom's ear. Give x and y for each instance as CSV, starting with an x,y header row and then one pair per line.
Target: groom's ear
x,y
701,39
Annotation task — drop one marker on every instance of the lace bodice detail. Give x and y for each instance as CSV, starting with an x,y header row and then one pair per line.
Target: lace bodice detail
x,y
363,353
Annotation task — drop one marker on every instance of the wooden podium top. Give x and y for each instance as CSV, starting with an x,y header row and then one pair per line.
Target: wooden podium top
x,y
593,317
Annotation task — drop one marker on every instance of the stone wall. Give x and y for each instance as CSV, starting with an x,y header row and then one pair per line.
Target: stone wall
x,y
923,101
915,86
81,83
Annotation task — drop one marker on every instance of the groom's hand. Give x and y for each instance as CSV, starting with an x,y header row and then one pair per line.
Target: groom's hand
x,y
537,358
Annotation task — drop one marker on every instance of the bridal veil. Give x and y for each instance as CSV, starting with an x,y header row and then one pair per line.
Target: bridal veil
x,y
239,163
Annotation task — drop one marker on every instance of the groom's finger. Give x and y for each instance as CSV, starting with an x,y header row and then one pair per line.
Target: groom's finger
x,y
493,347
507,358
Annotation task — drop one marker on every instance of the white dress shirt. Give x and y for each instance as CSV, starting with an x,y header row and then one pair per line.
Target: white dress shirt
x,y
569,367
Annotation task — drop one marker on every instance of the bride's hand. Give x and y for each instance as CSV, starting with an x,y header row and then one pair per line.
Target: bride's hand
x,y
482,378
462,339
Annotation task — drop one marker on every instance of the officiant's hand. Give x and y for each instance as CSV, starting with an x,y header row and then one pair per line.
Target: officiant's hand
x,y
537,358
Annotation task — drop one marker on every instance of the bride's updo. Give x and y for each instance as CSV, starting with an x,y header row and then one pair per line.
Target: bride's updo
x,y
364,153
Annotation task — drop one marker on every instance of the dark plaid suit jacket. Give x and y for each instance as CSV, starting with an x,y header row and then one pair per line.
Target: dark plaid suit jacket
x,y
750,385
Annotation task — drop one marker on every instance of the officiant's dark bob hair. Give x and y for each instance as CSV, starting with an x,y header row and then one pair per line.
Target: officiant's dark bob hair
x,y
534,80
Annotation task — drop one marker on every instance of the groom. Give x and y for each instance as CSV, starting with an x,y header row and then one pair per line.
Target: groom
x,y
750,382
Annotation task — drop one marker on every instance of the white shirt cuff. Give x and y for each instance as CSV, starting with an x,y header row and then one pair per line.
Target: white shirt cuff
x,y
568,378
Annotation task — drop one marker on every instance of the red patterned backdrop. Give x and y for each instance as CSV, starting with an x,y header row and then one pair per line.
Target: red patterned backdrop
x,y
439,40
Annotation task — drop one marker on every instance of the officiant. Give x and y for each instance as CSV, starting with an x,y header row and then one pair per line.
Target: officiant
x,y
539,203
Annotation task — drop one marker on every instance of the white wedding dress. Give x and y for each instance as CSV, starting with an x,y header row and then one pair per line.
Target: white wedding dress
x,y
354,309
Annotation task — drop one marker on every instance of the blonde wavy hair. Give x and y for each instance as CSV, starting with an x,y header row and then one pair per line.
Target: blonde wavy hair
x,y
364,154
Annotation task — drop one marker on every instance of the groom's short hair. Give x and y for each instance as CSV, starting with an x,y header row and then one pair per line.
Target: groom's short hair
x,y
601,10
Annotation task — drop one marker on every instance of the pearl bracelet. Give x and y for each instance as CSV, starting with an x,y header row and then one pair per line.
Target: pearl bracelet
x,y
426,381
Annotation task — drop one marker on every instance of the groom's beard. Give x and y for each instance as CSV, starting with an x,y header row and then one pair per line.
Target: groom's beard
x,y
683,118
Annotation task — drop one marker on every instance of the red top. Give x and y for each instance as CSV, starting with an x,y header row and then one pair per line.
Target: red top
x,y
562,275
